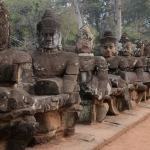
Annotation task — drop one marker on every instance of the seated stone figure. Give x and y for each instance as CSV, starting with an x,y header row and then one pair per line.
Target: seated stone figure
x,y
116,66
134,73
122,41
139,50
17,122
56,85
145,57
93,78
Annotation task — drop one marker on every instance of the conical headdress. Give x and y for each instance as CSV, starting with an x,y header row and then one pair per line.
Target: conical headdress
x,y
4,21
4,14
108,37
48,23
124,37
84,32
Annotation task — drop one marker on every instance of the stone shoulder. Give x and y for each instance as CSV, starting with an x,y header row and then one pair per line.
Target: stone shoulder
x,y
14,56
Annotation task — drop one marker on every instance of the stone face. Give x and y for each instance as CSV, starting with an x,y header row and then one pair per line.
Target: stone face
x,y
84,40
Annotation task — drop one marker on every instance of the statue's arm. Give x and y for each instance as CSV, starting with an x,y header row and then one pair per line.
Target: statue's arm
x,y
139,70
71,73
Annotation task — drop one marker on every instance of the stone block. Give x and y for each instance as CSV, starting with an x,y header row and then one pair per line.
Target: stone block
x,y
116,81
51,86
8,73
70,82
74,98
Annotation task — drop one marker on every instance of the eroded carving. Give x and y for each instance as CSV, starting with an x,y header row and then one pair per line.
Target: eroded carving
x,y
56,88
134,73
17,123
93,78
116,65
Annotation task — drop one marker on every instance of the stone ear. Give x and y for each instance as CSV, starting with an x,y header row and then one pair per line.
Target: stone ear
x,y
59,41
60,37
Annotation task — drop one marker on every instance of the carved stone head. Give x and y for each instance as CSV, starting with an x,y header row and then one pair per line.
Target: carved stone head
x,y
84,40
108,45
147,50
127,49
138,52
48,32
4,26
124,38
145,42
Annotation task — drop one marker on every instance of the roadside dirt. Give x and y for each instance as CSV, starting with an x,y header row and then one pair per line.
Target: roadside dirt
x,y
138,138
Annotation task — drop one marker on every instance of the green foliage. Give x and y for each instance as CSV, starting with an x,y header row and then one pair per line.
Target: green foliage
x,y
98,14
25,14
136,20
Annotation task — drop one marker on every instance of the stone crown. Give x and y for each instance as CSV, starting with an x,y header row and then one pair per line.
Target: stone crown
x,y
48,23
4,14
108,37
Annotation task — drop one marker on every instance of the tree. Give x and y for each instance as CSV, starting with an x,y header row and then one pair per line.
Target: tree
x,y
135,16
99,14
118,19
78,13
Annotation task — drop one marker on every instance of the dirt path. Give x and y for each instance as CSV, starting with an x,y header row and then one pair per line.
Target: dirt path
x,y
138,138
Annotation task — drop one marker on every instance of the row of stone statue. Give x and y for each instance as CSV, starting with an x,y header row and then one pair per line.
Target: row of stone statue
x,y
43,94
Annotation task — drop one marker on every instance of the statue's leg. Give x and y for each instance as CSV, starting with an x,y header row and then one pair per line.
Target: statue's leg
x,y
112,103
93,112
125,99
141,92
148,92
101,111
70,118
21,134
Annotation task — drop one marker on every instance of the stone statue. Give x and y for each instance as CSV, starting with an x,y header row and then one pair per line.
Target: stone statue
x,y
17,123
56,85
134,73
145,57
139,50
93,78
116,66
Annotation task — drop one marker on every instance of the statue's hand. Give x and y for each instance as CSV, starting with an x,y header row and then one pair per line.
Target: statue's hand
x,y
138,83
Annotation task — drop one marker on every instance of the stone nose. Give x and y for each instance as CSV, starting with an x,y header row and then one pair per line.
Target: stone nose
x,y
49,38
108,50
124,50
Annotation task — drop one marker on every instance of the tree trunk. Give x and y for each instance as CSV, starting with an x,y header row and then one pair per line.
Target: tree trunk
x,y
78,13
118,19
